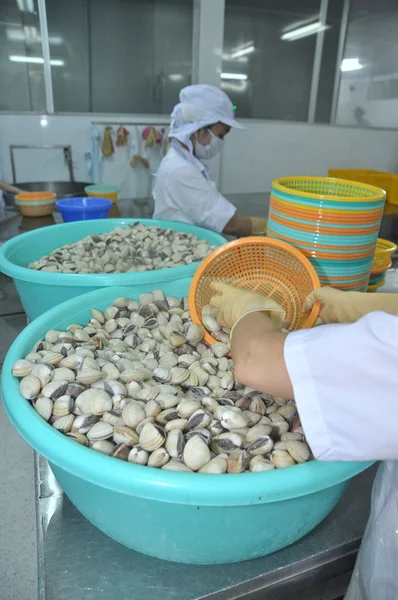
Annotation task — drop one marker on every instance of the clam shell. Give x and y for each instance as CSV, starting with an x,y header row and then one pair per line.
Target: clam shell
x,y
282,459
138,456
152,408
256,431
124,435
22,368
44,407
162,374
100,402
64,424
226,442
30,387
179,375
211,323
63,405
83,423
103,446
215,466
151,437
262,445
237,461
44,372
175,443
299,451
158,458
167,400
220,349
259,464
80,438
175,424
121,452
177,466
195,333
55,389
200,418
62,373
187,407
100,431
196,453
132,414
233,420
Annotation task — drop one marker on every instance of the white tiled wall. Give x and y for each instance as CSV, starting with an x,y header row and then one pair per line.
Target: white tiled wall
x,y
251,158
266,150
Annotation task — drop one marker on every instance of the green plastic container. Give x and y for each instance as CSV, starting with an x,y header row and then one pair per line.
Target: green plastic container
x,y
182,517
39,291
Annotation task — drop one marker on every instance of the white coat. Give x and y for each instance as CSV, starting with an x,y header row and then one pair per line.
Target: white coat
x,y
345,384
184,191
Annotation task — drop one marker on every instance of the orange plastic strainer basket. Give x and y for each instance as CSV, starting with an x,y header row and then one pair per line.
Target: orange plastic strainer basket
x,y
265,265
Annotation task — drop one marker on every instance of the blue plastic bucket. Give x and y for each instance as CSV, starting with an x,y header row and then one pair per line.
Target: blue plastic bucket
x,y
39,291
183,517
83,208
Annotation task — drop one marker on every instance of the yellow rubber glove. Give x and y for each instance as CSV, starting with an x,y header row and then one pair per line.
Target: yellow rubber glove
x,y
259,226
234,303
348,307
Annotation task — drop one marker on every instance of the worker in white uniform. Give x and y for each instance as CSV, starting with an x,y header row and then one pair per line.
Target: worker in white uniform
x,y
184,190
343,377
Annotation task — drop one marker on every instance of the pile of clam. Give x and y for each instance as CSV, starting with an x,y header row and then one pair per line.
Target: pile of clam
x,y
131,249
139,384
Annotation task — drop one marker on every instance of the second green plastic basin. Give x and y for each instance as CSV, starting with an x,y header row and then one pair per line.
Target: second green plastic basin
x,y
183,517
39,290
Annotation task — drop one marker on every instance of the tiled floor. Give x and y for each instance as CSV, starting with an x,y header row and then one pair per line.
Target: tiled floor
x,y
18,563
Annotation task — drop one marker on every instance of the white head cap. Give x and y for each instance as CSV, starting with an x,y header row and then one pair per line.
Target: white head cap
x,y
200,106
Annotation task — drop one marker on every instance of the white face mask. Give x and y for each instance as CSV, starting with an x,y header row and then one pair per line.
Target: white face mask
x,y
210,150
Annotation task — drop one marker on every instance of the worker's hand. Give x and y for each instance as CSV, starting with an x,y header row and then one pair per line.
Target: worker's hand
x,y
348,307
331,301
259,226
234,303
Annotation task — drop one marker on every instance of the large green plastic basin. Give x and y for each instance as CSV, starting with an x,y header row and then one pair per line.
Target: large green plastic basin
x,y
39,291
183,517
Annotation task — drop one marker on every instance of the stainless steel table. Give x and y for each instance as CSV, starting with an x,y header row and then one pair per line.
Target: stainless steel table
x,y
77,561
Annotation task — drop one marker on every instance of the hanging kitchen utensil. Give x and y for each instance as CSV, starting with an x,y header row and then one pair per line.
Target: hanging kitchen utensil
x,y
122,136
107,144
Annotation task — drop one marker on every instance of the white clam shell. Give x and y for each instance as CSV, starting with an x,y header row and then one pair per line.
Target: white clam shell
x,y
196,453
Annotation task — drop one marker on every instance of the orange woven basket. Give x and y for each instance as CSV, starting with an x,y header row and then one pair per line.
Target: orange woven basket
x,y
265,265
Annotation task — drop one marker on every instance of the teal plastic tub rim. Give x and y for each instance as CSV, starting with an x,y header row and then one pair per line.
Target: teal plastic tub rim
x,y
141,481
101,279
34,202
99,187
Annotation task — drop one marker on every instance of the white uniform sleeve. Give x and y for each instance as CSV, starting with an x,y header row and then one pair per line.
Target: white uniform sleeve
x,y
191,193
345,385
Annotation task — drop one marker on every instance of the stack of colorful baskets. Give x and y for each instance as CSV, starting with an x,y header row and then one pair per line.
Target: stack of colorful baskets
x,y
381,262
334,222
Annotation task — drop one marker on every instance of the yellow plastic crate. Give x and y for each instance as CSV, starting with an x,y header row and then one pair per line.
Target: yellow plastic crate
x,y
381,179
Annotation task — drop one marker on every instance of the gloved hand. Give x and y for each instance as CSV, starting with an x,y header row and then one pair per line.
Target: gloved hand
x,y
234,303
348,307
259,226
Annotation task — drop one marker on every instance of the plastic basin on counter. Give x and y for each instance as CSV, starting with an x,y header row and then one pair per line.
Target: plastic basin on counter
x,y
83,208
182,517
41,290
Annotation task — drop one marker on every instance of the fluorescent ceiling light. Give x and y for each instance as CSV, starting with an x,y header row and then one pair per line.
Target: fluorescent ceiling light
x,y
248,49
175,77
19,35
36,60
239,76
351,64
26,6
301,32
